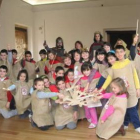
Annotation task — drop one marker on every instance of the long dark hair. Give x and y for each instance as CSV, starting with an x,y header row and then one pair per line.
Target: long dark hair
x,y
101,37
25,72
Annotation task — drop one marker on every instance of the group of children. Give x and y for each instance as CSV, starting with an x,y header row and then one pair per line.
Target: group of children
x,y
111,75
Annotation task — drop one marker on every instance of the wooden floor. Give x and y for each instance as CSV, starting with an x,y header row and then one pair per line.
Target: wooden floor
x,y
18,129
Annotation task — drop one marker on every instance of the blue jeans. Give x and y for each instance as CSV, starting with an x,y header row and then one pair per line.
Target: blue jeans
x,y
132,115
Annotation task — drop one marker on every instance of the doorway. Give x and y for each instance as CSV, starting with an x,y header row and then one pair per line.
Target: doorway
x,y
21,39
126,36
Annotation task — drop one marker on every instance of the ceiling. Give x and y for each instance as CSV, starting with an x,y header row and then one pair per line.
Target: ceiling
x,y
39,2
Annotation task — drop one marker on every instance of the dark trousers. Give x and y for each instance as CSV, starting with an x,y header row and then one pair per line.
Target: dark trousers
x,y
132,115
43,128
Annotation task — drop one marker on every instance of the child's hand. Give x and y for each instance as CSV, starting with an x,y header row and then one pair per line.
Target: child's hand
x,y
138,93
61,96
7,105
57,101
6,89
8,47
75,115
102,121
135,39
95,90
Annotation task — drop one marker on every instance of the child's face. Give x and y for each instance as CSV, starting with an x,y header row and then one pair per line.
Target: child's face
x,y
22,77
42,56
87,72
3,56
77,57
120,53
61,85
71,76
111,60
115,88
46,83
101,57
67,61
107,48
138,48
60,73
14,55
39,85
3,73
51,56
85,55
28,57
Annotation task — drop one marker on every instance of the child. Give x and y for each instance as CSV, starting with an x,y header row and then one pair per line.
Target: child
x,y
68,62
22,95
69,78
65,115
138,48
6,59
41,106
125,69
90,111
113,114
29,65
107,47
59,71
77,64
85,55
52,63
41,64
14,55
5,96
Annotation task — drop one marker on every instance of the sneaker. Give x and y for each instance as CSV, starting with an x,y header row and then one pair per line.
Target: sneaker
x,y
125,127
138,129
89,120
92,125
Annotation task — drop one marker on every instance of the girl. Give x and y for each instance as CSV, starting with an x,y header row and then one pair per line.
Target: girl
x,y
113,114
77,64
85,55
90,111
65,115
68,62
41,107
22,96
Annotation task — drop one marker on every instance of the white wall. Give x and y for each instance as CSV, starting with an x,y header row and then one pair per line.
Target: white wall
x,y
79,21
15,12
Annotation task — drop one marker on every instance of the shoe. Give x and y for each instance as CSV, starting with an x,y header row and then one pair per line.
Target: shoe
x,y
125,127
92,125
121,130
89,120
138,129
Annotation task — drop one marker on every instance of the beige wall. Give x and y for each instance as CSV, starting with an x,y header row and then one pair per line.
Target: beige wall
x,y
71,21
15,12
79,22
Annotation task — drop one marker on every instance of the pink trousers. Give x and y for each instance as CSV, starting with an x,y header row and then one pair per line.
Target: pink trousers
x,y
91,114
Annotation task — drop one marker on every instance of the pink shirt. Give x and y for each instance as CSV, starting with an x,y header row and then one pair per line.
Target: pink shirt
x,y
110,110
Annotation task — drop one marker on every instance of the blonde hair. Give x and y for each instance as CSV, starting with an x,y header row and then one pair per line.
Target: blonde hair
x,y
121,84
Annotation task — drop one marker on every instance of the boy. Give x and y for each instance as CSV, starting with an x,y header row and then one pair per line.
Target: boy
x,y
14,55
126,70
59,71
5,96
52,63
6,59
29,64
65,115
69,78
41,64
41,106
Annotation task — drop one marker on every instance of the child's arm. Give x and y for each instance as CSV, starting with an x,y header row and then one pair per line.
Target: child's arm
x,y
10,57
12,87
107,113
43,95
105,96
101,82
9,98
